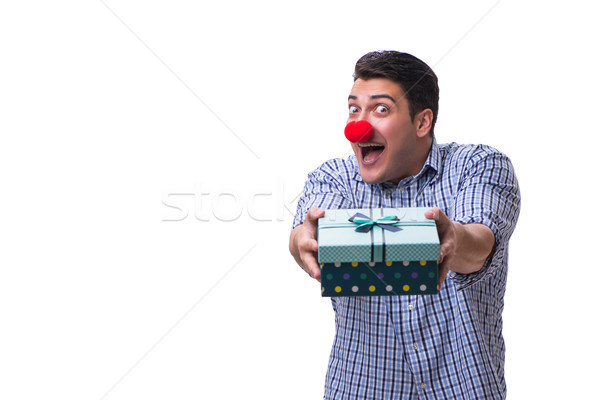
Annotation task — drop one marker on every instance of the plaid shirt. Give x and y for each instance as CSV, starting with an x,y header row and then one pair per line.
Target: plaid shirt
x,y
445,346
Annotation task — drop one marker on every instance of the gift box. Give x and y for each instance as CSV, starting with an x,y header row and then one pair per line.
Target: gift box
x,y
378,252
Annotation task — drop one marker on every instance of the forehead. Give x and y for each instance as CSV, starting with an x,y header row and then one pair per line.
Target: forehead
x,y
376,86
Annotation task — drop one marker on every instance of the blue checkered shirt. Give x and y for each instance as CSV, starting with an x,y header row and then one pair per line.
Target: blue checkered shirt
x,y
444,346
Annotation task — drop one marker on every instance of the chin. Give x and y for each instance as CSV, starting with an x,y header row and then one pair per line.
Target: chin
x,y
371,178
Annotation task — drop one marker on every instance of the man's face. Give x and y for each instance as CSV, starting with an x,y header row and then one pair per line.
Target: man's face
x,y
395,149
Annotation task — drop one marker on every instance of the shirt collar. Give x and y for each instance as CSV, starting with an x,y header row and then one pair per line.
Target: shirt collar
x,y
431,163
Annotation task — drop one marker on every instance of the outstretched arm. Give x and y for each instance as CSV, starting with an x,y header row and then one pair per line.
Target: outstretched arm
x,y
463,247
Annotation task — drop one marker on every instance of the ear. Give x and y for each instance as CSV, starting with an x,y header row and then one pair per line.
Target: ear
x,y
423,122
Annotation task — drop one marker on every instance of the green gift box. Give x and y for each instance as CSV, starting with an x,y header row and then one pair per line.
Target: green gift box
x,y
378,252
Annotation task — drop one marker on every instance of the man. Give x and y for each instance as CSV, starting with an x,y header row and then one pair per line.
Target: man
x,y
444,346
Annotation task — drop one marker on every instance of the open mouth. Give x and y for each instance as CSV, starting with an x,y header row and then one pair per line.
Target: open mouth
x,y
370,152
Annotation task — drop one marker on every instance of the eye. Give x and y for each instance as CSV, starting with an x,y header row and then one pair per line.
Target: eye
x,y
353,109
382,109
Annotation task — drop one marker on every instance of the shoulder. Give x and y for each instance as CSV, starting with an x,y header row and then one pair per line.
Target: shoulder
x,y
337,169
467,151
460,156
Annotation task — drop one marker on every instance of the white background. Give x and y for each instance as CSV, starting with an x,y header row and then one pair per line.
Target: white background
x,y
151,153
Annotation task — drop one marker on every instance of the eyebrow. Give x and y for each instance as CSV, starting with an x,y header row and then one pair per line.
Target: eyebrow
x,y
375,96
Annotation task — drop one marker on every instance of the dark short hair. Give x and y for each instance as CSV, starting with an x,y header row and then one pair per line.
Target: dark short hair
x,y
418,82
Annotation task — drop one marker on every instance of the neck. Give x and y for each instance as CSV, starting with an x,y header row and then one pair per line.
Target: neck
x,y
423,149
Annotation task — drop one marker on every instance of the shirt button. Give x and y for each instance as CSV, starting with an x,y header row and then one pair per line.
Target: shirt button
x,y
423,385
410,307
416,346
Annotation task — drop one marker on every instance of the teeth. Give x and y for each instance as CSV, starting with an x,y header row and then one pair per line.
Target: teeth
x,y
369,145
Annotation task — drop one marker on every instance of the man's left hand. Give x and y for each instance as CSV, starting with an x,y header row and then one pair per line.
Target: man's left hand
x,y
463,247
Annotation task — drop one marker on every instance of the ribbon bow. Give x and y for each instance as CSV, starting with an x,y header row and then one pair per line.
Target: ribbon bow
x,y
365,224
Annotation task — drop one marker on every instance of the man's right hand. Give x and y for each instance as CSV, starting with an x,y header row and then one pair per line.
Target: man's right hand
x,y
303,243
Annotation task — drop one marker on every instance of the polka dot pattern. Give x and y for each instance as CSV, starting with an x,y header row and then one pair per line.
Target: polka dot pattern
x,y
391,278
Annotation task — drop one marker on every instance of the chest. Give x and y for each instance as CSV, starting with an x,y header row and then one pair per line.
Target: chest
x,y
426,193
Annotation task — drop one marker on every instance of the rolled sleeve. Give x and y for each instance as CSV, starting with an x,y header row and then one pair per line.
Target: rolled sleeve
x,y
325,188
489,195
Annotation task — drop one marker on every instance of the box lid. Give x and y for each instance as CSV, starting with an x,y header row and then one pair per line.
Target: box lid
x,y
413,237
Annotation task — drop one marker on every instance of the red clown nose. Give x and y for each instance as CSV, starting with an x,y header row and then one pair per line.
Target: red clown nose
x,y
358,131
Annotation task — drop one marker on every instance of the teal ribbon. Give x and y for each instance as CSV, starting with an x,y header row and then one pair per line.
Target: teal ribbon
x,y
365,224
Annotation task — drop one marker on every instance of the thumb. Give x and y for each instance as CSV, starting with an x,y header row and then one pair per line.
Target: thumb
x,y
441,219
433,213
314,213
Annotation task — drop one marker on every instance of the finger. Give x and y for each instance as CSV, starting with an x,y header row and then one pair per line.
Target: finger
x,y
311,221
308,255
441,219
314,213
309,246
441,280
311,266
315,272
444,250
433,213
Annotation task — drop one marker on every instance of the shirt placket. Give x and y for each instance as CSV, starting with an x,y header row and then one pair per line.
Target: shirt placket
x,y
408,309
